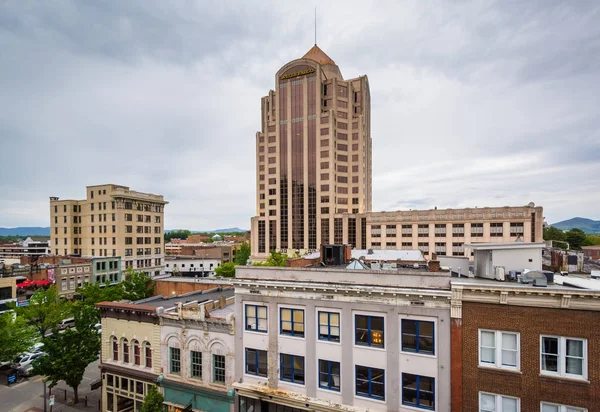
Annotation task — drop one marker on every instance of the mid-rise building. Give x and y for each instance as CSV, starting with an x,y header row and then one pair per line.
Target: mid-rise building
x,y
112,221
330,339
71,276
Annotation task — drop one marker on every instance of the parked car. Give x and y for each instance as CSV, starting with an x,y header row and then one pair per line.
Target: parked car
x,y
38,347
22,362
66,323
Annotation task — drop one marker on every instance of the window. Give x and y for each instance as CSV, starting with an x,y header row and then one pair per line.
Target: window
x,y
136,352
148,354
489,402
256,318
218,368
291,368
370,382
115,345
256,362
329,375
175,360
418,391
564,356
499,349
368,330
553,407
125,351
329,326
196,364
417,336
292,322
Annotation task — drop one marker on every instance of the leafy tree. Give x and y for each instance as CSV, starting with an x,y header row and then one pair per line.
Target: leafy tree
x,y
153,402
226,270
243,254
591,240
68,353
275,259
576,238
137,285
552,233
92,293
177,234
46,309
16,336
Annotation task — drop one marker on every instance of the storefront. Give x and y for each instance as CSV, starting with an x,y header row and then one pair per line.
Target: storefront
x,y
178,396
124,393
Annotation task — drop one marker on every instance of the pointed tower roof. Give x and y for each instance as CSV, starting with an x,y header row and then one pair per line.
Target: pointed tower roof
x,y
318,55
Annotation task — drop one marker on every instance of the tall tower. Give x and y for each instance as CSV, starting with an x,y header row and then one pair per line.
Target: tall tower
x,y
313,156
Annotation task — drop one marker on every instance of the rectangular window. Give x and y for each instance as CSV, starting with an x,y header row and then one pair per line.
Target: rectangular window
x,y
175,360
490,402
292,322
563,356
329,375
256,362
256,318
368,330
329,326
370,382
418,336
499,349
418,391
291,368
218,368
196,364
554,407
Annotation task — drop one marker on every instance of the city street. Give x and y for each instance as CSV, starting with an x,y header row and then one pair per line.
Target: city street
x,y
27,396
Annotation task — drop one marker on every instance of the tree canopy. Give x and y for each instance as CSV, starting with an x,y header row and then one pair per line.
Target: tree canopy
x,y
177,234
226,270
574,237
137,285
243,254
46,309
153,402
16,336
275,259
92,293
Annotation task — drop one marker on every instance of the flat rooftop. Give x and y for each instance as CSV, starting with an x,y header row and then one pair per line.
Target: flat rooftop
x,y
200,297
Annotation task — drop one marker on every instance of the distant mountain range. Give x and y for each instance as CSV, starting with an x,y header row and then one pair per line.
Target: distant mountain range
x,y
229,230
587,225
24,231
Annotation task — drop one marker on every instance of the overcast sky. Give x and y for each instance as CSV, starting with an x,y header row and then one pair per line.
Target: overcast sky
x,y
473,103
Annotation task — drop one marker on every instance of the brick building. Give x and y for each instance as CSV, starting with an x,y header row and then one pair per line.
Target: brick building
x,y
520,348
592,252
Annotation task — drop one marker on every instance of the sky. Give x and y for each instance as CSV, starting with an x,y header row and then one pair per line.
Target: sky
x,y
474,103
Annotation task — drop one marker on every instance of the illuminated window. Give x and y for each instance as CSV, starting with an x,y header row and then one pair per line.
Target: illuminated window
x,y
369,330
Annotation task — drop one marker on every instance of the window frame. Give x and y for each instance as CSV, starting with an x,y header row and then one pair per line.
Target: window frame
x,y
370,381
418,390
561,407
257,363
256,317
417,350
292,380
562,358
369,344
498,350
498,401
216,368
173,361
292,332
330,376
192,364
328,325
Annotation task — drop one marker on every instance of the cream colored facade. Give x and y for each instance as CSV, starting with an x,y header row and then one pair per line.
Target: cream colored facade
x,y
112,221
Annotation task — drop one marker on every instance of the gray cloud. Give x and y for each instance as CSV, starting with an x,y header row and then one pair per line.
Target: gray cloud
x,y
474,103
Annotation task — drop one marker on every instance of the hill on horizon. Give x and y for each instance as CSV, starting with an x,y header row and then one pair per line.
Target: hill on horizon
x,y
587,225
229,230
25,231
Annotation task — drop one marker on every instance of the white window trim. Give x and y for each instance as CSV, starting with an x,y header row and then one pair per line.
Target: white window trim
x,y
498,350
435,334
498,398
327,342
561,408
562,358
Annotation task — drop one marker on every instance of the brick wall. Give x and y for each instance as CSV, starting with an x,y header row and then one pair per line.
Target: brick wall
x,y
166,288
528,385
456,368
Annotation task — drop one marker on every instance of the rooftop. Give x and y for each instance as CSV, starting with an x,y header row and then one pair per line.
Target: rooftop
x,y
318,55
159,301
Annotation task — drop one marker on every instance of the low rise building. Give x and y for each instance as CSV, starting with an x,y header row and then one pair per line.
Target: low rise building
x,y
27,247
331,338
8,292
592,252
191,266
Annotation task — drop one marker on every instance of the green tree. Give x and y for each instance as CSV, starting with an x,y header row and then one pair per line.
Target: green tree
x,y
576,238
226,270
153,402
137,285
16,336
68,353
591,240
243,254
552,233
45,310
177,234
92,293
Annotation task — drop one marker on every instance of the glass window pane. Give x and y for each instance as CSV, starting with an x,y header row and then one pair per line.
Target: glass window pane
x,y
298,316
550,345
488,339
286,314
376,323
487,402
335,331
262,312
550,408
509,358
509,405
262,324
550,363
426,328
323,318
574,366
361,322
250,310
488,355
334,319
409,326
509,341
574,348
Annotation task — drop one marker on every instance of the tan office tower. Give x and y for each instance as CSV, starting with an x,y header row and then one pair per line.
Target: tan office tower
x,y
112,221
313,155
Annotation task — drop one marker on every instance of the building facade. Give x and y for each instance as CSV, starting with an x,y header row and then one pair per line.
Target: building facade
x,y
522,348
592,252
191,266
27,247
112,221
326,339
197,347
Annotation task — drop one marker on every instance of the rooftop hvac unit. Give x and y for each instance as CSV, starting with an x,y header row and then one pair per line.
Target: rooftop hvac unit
x,y
375,266
500,272
535,277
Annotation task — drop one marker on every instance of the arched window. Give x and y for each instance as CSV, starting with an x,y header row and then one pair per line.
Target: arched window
x,y
148,354
125,351
115,348
136,352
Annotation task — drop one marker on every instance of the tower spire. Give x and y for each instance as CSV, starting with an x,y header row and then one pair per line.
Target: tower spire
x,y
315,25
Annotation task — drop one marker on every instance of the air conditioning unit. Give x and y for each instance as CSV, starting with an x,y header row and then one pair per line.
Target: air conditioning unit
x,y
534,277
500,273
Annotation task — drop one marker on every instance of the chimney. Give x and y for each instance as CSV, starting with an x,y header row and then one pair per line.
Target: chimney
x,y
433,266
221,304
347,253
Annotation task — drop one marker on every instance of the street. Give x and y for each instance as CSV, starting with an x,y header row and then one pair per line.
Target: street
x,y
27,396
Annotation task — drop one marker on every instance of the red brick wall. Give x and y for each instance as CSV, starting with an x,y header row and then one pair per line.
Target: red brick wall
x,y
528,385
456,370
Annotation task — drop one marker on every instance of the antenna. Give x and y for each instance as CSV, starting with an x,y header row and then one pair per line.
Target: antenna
x,y
315,25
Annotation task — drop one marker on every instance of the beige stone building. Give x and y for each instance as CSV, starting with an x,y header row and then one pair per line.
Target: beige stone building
x,y
111,221
313,176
